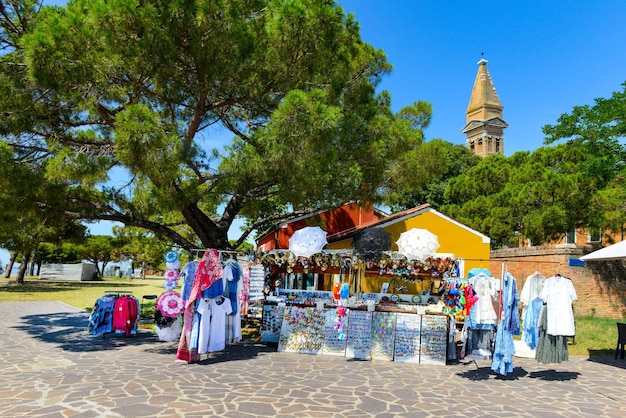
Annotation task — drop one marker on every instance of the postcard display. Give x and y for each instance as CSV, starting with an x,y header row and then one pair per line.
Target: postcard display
x,y
434,339
271,322
359,340
390,336
383,335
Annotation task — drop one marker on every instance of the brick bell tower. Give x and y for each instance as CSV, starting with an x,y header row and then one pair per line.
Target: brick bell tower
x,y
484,126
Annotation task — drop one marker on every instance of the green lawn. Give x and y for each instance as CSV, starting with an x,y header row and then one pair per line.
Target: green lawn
x,y
81,295
594,336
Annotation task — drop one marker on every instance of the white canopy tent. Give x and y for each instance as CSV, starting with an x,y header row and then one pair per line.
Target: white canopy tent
x,y
612,252
79,271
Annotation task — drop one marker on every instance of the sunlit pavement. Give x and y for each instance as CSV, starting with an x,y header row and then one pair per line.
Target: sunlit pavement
x,y
52,367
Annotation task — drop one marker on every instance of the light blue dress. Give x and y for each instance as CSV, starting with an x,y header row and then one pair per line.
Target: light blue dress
x,y
508,326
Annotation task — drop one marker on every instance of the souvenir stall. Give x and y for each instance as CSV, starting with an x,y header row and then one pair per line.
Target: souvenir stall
x,y
319,307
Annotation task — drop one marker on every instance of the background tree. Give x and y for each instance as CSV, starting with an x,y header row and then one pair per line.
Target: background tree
x,y
145,249
124,104
597,134
101,250
429,169
25,221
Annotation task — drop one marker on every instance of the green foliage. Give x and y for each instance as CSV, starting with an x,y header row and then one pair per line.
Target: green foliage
x,y
537,196
100,250
143,247
59,253
429,168
139,90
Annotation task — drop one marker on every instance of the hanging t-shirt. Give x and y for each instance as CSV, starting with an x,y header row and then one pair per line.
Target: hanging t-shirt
x,y
558,293
220,307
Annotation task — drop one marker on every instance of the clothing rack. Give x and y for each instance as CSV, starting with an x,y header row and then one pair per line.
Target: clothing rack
x,y
197,253
507,260
117,292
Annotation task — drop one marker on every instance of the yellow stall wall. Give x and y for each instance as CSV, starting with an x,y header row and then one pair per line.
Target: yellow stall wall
x,y
454,238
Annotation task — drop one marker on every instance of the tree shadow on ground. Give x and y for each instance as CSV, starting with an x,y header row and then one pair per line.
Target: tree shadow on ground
x,y
68,331
600,357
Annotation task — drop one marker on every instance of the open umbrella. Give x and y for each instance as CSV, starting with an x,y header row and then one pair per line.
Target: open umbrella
x,y
170,303
417,244
307,241
612,252
370,243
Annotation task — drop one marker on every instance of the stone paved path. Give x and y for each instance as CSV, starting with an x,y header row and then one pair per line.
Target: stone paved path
x,y
51,367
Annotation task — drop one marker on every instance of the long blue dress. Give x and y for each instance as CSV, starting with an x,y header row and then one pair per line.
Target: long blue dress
x,y
508,326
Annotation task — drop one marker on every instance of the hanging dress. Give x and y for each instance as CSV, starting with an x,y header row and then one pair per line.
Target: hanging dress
x,y
531,306
556,321
508,326
209,271
188,274
220,309
480,326
101,317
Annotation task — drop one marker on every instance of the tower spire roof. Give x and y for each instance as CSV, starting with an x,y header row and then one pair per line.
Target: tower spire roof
x,y
484,94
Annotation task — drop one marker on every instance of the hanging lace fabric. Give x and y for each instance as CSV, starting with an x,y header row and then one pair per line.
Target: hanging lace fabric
x,y
479,327
556,321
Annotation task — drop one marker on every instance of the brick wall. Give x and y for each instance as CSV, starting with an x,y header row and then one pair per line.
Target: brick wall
x,y
600,285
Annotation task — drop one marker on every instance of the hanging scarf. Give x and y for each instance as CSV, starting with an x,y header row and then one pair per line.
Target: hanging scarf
x,y
209,271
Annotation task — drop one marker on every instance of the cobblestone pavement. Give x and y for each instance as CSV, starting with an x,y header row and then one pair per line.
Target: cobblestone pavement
x,y
52,367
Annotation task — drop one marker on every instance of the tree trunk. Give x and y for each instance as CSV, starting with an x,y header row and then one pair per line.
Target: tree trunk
x,y
10,265
205,228
21,273
31,269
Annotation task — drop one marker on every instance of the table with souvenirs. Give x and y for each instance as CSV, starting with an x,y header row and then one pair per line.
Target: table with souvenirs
x,y
369,327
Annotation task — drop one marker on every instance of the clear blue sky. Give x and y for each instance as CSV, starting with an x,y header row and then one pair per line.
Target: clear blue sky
x,y
544,58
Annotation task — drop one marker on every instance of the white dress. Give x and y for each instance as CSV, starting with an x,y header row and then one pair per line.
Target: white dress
x,y
486,291
220,307
558,293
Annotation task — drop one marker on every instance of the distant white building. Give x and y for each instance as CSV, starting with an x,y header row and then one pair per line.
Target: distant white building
x,y
122,268
80,271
